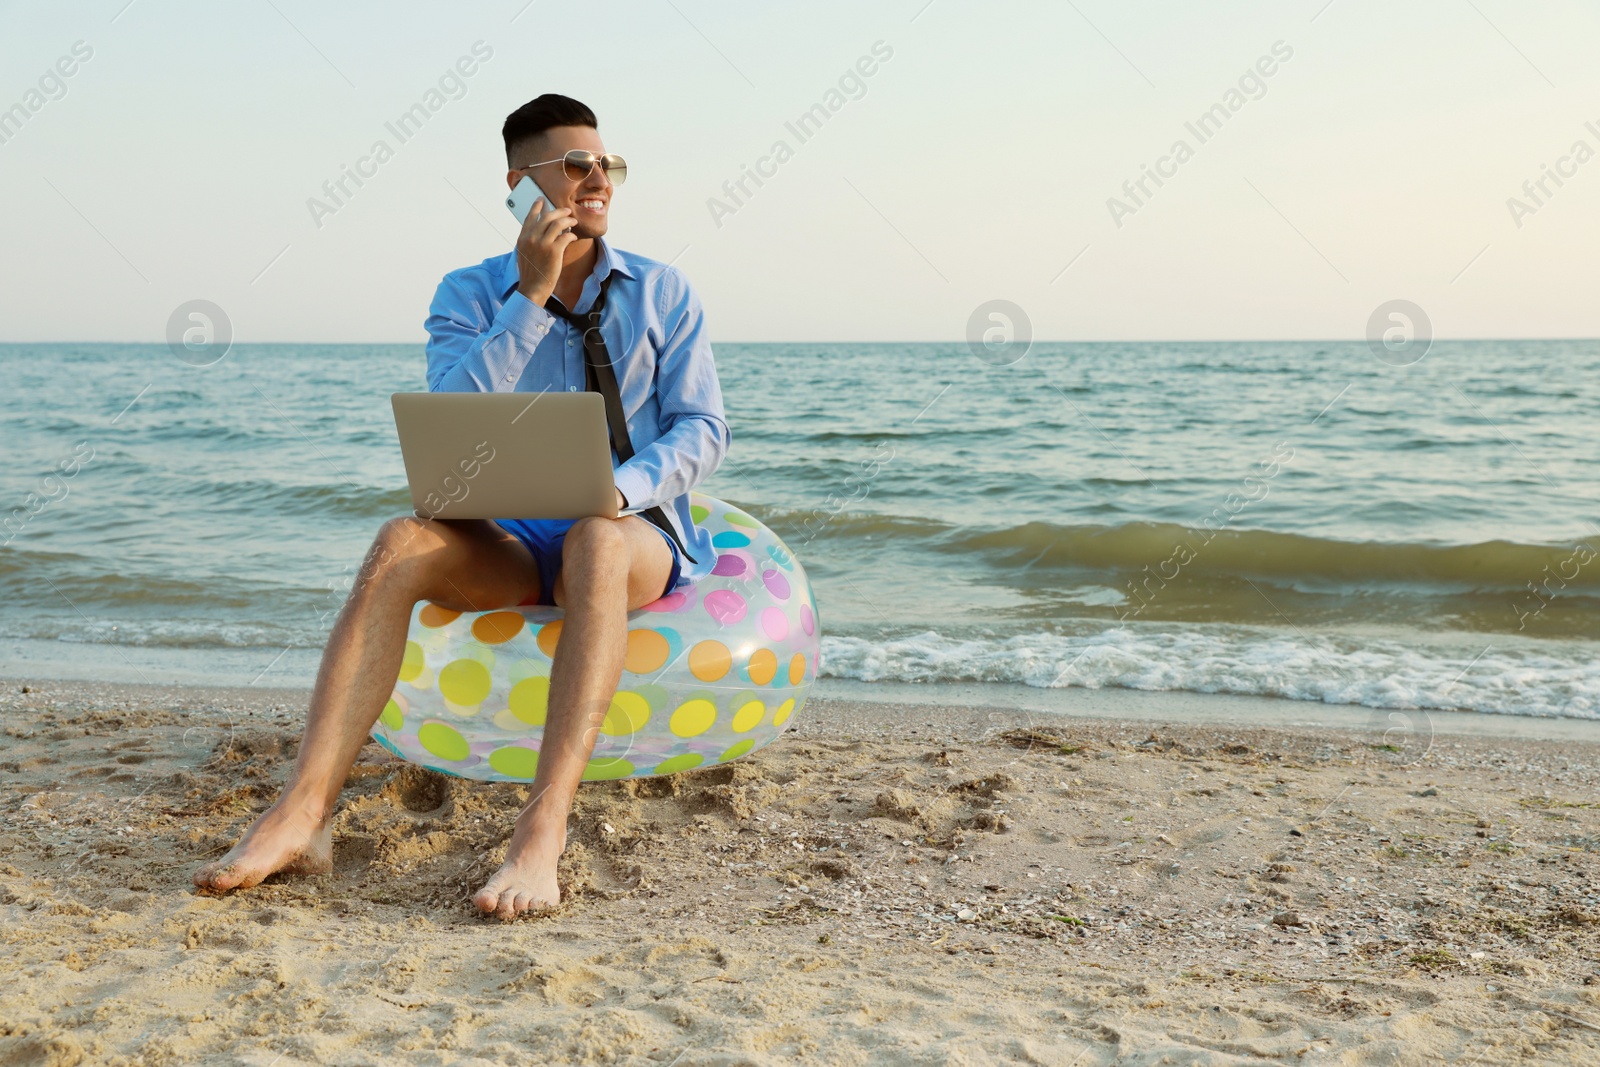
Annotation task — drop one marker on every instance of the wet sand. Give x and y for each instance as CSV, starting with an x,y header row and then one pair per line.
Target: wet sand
x,y
887,883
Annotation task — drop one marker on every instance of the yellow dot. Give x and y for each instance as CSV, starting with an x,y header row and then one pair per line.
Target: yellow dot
x,y
530,700
679,763
763,666
392,715
412,663
464,682
782,713
693,717
737,749
443,741
549,637
748,716
433,616
647,651
710,660
606,767
498,627
797,668
514,761
629,711
505,720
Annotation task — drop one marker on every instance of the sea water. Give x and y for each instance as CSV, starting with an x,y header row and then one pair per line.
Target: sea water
x,y
1296,519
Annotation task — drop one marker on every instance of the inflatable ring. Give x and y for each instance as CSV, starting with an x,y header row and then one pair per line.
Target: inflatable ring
x,y
714,671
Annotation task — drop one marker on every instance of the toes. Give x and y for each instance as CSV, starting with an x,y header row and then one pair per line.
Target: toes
x,y
488,898
218,878
248,880
509,894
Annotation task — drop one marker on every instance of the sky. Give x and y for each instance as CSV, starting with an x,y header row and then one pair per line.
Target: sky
x,y
983,158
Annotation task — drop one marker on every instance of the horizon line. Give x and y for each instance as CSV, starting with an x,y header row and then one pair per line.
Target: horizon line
x,y
941,341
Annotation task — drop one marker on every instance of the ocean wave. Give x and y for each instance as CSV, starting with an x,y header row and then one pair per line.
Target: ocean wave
x,y
790,523
161,633
1289,557
1549,681
323,500
1169,549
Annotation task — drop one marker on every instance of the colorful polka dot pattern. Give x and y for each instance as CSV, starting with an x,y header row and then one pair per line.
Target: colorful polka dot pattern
x,y
711,673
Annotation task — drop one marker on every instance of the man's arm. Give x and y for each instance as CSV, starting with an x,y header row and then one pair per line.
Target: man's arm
x,y
471,351
696,435
468,352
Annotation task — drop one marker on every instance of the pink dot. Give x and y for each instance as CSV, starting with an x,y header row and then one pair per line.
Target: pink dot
x,y
808,622
724,605
670,602
729,565
774,622
777,584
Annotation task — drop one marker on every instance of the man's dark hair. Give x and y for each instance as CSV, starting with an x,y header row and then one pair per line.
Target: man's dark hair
x,y
539,115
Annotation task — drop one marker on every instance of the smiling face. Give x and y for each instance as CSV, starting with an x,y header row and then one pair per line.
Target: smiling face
x,y
590,198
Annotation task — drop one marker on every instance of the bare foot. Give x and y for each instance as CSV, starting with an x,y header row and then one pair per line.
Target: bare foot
x,y
527,880
280,840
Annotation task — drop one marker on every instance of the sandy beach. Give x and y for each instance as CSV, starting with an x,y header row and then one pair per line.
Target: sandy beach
x,y
887,883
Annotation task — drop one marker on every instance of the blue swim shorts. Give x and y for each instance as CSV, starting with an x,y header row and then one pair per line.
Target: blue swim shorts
x,y
546,537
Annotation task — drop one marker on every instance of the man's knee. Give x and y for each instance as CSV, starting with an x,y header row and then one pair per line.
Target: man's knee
x,y
594,536
398,540
597,535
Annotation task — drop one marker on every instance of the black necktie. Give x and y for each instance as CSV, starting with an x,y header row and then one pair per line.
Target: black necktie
x,y
601,377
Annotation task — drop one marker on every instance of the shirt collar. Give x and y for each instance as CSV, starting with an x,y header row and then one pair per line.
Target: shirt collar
x,y
608,260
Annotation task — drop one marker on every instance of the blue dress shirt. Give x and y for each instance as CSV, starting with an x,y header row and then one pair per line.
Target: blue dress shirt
x,y
484,336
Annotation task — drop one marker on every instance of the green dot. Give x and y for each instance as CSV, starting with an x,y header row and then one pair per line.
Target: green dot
x,y
412,662
737,749
529,699
654,695
739,518
698,512
391,717
679,763
464,682
515,761
606,767
443,741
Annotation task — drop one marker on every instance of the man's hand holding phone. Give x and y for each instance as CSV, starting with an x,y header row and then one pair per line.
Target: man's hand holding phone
x,y
546,233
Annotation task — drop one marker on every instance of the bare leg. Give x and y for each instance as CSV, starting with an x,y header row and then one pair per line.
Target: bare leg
x,y
609,567
464,565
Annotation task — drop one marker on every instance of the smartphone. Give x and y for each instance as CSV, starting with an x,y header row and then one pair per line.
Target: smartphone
x,y
522,197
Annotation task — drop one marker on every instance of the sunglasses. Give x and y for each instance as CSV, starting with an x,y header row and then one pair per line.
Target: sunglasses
x,y
577,164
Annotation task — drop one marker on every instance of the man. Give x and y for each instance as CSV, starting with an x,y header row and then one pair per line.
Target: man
x,y
490,330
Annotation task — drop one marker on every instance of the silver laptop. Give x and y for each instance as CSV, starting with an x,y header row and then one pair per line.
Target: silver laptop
x,y
506,455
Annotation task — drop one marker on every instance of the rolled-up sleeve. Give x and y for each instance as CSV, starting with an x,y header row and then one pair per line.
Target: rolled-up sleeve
x,y
471,348
695,435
